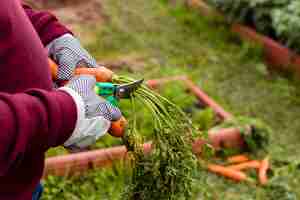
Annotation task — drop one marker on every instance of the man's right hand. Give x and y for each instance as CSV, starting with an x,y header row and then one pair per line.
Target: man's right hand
x,y
95,114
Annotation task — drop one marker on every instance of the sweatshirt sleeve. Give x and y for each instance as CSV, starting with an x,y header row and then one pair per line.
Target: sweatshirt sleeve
x,y
46,24
33,122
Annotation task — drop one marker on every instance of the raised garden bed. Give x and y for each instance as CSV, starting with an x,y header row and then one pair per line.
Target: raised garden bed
x,y
80,162
277,56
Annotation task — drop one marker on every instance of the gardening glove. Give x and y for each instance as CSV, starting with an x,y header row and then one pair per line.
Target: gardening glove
x,y
68,53
94,114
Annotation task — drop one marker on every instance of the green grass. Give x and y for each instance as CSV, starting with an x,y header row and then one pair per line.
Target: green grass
x,y
95,185
172,40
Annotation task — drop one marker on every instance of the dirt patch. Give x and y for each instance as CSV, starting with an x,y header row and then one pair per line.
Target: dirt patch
x,y
51,3
83,14
131,63
82,17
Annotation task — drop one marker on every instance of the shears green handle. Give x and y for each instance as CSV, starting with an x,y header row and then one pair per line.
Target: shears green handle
x,y
113,92
107,91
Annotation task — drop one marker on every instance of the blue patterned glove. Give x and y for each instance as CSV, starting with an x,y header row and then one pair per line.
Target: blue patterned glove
x,y
95,114
68,53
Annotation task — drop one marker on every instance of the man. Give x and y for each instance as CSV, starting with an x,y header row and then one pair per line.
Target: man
x,y
33,116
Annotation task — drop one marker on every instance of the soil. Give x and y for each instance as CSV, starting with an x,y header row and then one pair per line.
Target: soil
x,y
74,14
82,17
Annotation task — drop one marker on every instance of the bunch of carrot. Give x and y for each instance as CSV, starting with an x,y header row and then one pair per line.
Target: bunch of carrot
x,y
239,163
165,173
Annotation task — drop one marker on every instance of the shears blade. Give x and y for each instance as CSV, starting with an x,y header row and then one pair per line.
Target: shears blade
x,y
125,90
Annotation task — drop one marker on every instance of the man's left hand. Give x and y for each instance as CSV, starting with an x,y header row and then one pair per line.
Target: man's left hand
x,y
68,53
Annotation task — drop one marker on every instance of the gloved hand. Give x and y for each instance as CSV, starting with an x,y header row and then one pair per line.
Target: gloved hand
x,y
95,114
68,53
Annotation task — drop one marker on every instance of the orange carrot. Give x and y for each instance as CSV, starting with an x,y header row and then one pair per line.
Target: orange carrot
x,y
101,74
117,128
238,159
53,68
227,172
263,169
253,164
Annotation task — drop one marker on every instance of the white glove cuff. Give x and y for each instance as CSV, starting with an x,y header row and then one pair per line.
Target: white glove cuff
x,y
79,106
86,131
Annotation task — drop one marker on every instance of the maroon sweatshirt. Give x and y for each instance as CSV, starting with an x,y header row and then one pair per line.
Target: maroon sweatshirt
x,y
33,116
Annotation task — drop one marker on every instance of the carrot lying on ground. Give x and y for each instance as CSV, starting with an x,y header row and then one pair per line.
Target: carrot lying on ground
x,y
238,159
253,164
263,169
227,172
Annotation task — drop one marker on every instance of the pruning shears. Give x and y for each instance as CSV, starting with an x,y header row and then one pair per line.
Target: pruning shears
x,y
111,92
114,92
